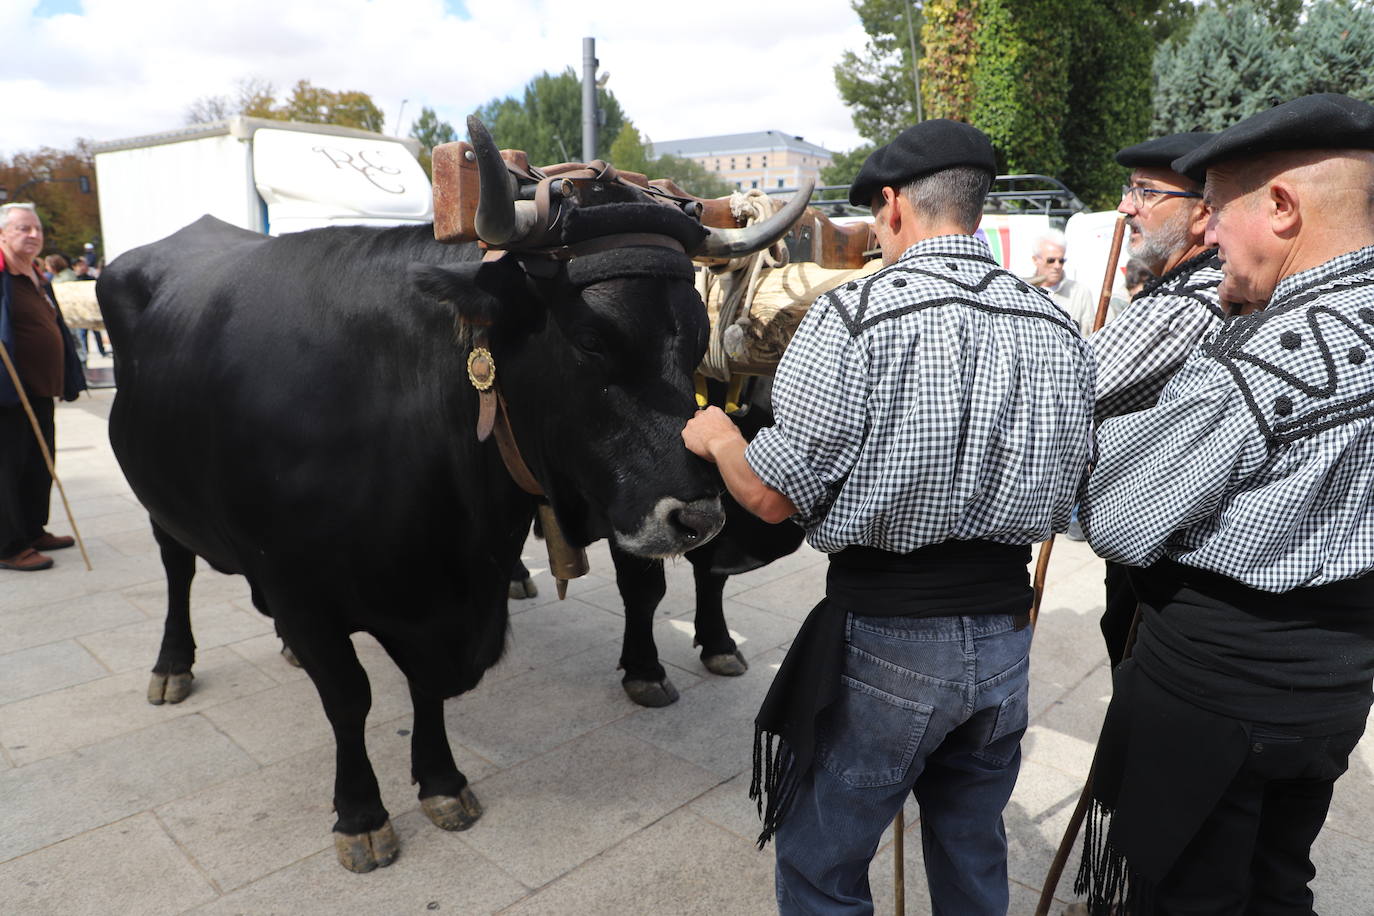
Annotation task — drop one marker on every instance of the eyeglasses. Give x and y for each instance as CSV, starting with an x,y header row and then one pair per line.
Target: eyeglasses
x,y
1141,198
1052,260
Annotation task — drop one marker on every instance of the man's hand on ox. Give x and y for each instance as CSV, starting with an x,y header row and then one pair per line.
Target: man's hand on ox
x,y
710,429
712,435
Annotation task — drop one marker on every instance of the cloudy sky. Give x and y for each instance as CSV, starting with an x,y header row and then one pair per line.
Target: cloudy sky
x,y
109,69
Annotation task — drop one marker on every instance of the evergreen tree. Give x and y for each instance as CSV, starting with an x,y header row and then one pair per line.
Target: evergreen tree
x,y
1334,50
1233,63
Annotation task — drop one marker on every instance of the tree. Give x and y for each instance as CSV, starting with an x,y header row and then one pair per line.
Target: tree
x,y
314,105
877,83
308,103
631,152
1109,60
431,132
949,43
50,179
843,169
1020,81
547,122
1232,63
1334,50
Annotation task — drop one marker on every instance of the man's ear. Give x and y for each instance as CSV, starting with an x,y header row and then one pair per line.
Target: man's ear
x,y
478,290
1197,224
1284,212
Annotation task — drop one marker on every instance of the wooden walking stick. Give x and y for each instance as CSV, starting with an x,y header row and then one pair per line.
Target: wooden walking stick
x,y
43,447
1061,855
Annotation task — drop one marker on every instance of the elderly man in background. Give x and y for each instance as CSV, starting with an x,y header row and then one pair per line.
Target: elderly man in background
x,y
1242,502
44,356
1070,295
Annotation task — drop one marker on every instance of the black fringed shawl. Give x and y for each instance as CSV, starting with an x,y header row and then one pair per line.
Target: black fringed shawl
x,y
942,580
1212,657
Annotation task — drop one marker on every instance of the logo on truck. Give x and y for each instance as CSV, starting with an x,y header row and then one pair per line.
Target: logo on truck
x,y
359,162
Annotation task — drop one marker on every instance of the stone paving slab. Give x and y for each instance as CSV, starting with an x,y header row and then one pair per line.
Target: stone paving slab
x,y
221,805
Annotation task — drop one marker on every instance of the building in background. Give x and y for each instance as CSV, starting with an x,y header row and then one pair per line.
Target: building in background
x,y
766,159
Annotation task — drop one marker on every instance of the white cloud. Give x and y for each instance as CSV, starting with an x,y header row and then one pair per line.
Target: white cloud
x,y
120,68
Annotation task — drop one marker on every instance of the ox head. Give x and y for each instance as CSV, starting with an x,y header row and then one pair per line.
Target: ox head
x,y
595,327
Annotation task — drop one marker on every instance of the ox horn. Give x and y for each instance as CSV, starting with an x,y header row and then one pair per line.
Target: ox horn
x,y
735,243
500,217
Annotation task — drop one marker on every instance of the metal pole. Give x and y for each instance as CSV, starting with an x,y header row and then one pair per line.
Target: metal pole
x,y
589,117
915,63
397,132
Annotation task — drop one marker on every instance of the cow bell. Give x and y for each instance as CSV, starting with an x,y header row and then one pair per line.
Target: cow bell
x,y
565,561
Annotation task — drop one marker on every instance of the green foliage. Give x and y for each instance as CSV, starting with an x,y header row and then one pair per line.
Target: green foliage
x,y
877,83
307,103
631,152
690,175
1109,61
431,132
1334,50
1169,18
547,122
70,218
1020,81
1232,64
844,169
949,44
314,105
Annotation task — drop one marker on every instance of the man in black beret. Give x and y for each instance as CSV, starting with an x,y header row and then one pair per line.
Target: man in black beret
x,y
933,420
1242,503
1139,351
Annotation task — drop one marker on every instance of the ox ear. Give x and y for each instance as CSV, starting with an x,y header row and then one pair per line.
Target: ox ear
x,y
476,289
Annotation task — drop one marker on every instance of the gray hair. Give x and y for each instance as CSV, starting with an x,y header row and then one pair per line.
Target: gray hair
x,y
7,209
1053,237
950,195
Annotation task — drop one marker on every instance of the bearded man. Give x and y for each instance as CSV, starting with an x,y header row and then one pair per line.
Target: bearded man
x,y
1141,350
1242,503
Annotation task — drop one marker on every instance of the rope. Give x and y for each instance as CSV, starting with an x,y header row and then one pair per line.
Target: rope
x,y
739,280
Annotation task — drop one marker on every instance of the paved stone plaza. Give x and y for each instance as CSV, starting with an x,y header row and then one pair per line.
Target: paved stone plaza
x,y
593,805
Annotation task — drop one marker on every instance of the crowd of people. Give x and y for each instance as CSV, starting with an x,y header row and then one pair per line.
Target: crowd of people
x,y
940,416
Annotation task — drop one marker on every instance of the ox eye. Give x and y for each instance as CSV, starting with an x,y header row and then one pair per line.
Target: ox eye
x,y
590,343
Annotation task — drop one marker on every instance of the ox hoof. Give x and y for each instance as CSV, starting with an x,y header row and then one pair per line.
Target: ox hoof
x,y
654,694
362,852
169,688
290,656
523,589
727,664
453,813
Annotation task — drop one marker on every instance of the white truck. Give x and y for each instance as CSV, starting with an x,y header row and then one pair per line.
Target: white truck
x,y
269,176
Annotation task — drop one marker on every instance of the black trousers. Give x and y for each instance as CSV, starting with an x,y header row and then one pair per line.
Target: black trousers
x,y
25,485
1252,855
1120,611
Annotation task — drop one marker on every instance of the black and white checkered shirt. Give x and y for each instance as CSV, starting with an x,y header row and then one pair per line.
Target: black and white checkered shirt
x,y
940,398
1139,351
1258,460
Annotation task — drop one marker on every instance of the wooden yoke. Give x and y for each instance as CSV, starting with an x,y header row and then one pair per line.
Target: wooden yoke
x,y
457,186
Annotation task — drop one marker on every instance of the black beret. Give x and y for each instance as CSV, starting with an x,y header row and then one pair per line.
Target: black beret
x,y
919,150
1322,121
1161,152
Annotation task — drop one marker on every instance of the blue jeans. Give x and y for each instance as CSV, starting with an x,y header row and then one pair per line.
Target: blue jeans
x,y
934,706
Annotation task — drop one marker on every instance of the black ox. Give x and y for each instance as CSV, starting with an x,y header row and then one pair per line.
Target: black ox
x,y
299,410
